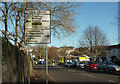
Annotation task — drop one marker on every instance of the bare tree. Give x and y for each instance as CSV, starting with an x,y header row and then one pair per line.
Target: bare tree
x,y
5,14
95,39
61,18
53,53
40,51
10,17
62,51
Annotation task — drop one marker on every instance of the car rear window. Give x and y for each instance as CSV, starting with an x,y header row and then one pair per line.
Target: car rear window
x,y
92,63
82,62
111,64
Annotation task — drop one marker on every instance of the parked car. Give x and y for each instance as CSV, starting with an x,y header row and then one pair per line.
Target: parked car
x,y
41,61
80,64
68,64
105,66
60,63
74,64
35,62
86,64
91,65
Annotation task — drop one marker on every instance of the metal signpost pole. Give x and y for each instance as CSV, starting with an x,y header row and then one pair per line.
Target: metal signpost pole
x,y
0,60
28,64
46,65
28,53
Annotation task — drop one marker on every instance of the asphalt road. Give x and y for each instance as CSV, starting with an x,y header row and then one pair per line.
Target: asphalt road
x,y
65,74
61,74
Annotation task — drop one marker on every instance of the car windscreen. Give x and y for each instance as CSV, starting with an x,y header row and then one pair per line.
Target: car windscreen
x,y
69,63
111,64
86,62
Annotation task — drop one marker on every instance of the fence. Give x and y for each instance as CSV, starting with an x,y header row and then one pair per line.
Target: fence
x,y
15,63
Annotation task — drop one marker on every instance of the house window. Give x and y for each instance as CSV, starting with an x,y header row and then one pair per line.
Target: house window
x,y
108,52
113,50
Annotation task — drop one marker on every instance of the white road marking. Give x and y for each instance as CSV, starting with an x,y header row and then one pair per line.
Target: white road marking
x,y
73,71
88,75
91,76
111,81
83,74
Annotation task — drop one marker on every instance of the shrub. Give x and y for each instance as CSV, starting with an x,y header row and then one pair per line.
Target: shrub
x,y
2,60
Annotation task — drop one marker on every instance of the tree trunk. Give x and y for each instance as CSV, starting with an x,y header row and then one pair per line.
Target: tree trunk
x,y
6,15
22,41
16,29
95,57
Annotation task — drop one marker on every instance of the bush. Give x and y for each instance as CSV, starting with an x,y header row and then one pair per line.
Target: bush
x,y
2,60
36,59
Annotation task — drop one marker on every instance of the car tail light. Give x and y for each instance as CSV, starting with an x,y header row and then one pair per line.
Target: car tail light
x,y
91,66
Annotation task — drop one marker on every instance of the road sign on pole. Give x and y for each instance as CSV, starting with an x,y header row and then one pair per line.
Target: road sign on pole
x,y
37,27
37,30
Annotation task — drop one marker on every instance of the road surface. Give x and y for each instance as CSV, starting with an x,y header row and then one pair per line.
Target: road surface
x,y
61,74
65,74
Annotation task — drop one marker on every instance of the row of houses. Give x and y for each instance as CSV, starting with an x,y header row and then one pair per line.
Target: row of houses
x,y
112,52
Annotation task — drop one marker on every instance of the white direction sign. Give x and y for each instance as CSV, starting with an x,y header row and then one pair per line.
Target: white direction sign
x,y
37,26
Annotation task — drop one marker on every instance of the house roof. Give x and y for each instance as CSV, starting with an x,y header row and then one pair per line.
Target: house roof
x,y
114,46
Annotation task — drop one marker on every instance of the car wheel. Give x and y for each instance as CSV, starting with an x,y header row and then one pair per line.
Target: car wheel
x,y
107,70
114,70
98,69
84,67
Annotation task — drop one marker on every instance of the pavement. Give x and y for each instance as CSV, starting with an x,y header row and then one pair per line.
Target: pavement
x,y
39,76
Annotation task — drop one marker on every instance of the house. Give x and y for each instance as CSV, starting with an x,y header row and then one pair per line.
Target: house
x,y
69,51
113,51
112,54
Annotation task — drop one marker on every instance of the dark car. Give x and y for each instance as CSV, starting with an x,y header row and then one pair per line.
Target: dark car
x,y
74,64
81,64
60,63
105,66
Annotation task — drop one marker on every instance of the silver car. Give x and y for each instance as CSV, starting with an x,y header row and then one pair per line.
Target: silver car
x,y
81,64
105,66
68,64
